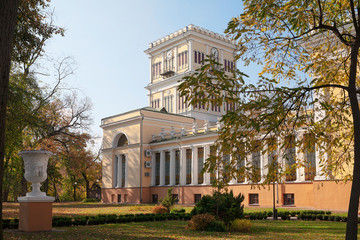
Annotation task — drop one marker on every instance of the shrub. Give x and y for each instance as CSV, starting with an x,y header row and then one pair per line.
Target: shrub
x,y
338,218
61,221
80,221
326,217
313,217
226,205
90,200
178,210
168,201
269,213
327,212
216,226
159,210
240,225
331,218
200,221
320,216
293,213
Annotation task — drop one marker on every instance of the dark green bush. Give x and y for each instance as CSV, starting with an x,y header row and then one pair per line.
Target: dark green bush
x,y
344,219
327,212
331,218
58,221
269,214
313,217
178,210
319,217
200,221
6,223
80,221
293,213
326,217
216,226
338,218
226,205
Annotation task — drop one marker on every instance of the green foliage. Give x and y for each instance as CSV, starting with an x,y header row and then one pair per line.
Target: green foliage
x,y
168,201
224,206
216,226
178,210
240,225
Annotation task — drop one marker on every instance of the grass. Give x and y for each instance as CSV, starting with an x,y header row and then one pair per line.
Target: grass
x,y
11,210
285,230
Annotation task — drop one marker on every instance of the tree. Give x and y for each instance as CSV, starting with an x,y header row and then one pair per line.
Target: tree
x,y
291,40
8,11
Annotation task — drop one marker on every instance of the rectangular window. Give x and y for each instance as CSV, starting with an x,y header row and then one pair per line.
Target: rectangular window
x,y
197,198
177,167
213,173
239,166
125,198
119,198
195,57
226,163
253,199
116,168
157,168
186,57
255,158
188,165
290,158
289,199
167,168
272,158
225,65
200,165
154,198
175,197
123,170
310,157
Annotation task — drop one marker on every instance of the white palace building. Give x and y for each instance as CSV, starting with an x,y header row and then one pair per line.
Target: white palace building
x,y
148,150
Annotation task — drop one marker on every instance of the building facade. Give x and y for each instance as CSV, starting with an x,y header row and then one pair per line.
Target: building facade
x,y
148,150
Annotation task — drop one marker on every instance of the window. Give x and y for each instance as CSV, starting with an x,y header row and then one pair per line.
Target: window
x,y
253,199
272,158
290,158
310,158
123,162
188,165
175,197
155,103
240,164
156,69
212,174
197,198
200,165
226,163
122,141
112,197
157,169
177,167
116,169
119,197
183,59
289,199
168,103
167,168
125,198
199,57
255,158
228,66
154,198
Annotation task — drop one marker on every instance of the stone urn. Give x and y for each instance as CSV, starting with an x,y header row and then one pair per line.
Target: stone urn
x,y
35,162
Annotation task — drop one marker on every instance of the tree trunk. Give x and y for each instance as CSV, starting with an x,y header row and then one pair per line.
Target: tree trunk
x,y
8,11
87,185
352,220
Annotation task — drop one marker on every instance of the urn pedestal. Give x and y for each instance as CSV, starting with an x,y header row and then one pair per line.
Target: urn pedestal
x,y
35,207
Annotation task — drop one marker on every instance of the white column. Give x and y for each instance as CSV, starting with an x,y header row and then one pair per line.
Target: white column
x,y
153,163
176,99
190,56
162,168
300,171
182,166
172,167
194,161
115,171
176,59
233,180
119,181
206,155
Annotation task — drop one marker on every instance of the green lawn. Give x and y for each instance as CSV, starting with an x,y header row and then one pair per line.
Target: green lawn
x,y
265,229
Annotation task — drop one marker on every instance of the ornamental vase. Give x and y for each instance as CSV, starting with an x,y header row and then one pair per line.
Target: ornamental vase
x,y
35,162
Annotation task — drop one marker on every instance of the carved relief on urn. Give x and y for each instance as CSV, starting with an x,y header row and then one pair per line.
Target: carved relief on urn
x,y
35,162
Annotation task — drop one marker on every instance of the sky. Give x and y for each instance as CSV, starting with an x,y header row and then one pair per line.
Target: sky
x,y
107,40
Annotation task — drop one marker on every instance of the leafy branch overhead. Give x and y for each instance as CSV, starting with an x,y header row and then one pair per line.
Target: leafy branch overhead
x,y
305,100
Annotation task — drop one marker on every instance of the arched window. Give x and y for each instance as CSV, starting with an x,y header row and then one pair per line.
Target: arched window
x,y
123,141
